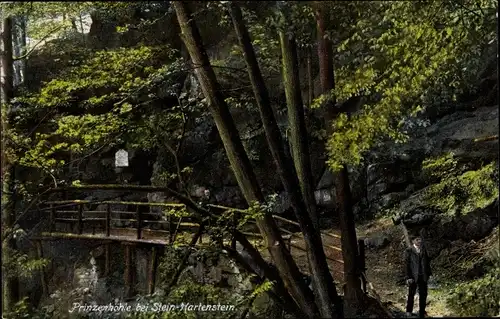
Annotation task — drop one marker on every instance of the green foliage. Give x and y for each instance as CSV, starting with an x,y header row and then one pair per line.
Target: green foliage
x,y
22,265
264,37
121,81
262,288
443,166
179,212
22,310
110,76
258,210
394,64
462,193
477,298
41,16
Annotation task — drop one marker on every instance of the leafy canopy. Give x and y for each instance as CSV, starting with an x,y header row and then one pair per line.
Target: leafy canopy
x,y
402,65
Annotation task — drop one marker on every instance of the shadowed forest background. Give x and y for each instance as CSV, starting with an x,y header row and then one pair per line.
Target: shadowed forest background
x,y
370,119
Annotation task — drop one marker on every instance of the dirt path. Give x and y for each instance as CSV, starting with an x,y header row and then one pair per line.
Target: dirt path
x,y
384,269
385,272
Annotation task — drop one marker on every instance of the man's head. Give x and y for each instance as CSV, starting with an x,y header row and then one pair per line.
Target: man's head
x,y
417,241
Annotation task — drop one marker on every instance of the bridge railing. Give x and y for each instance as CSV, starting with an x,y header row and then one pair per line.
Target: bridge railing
x,y
78,212
109,219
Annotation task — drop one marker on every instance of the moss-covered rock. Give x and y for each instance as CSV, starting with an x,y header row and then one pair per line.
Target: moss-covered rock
x,y
456,191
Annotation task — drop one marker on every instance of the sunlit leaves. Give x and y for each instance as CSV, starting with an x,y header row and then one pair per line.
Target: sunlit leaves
x,y
398,65
463,193
73,134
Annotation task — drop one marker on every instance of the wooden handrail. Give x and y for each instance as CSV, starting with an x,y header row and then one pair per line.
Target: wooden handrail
x,y
331,235
286,220
137,188
141,220
78,201
228,208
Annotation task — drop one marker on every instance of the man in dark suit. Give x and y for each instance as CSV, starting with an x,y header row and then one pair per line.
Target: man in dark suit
x,y
418,271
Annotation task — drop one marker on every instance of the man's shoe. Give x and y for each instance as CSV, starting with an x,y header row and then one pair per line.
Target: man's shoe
x,y
422,315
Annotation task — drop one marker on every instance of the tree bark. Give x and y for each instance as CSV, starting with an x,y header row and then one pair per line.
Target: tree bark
x,y
325,51
297,123
353,292
270,274
310,80
238,158
323,282
10,289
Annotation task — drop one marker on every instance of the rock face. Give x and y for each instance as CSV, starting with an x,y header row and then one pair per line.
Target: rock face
x,y
393,174
398,175
395,180
377,242
220,272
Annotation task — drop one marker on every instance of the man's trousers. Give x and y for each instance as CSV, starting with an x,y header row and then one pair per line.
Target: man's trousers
x,y
422,292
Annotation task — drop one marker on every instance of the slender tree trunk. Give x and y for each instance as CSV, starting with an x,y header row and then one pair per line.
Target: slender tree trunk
x,y
297,123
325,52
310,81
353,293
323,281
238,159
10,285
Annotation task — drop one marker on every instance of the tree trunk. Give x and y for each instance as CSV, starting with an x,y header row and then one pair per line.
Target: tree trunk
x,y
19,47
10,289
238,159
310,80
323,282
325,52
353,293
270,274
297,124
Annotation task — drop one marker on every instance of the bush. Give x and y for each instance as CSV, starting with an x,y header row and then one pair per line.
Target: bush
x,y
460,192
480,297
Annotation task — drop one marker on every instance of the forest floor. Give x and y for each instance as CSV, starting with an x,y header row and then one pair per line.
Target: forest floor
x,y
385,271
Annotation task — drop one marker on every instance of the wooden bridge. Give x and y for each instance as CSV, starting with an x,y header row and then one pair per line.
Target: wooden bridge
x,y
135,224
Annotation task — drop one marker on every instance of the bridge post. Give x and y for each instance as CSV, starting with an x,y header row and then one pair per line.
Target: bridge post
x,y
128,275
80,219
52,220
139,222
170,229
108,220
153,265
107,259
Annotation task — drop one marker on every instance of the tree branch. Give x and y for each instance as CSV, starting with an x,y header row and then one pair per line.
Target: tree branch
x,y
182,265
27,54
